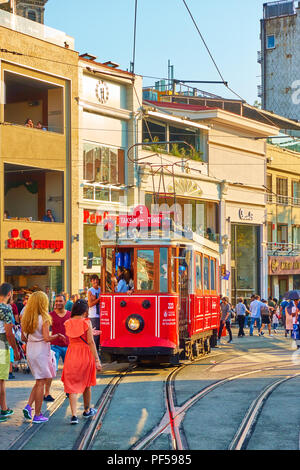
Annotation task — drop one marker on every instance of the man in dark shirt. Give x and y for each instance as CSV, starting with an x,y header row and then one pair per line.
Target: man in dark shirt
x,y
59,316
225,319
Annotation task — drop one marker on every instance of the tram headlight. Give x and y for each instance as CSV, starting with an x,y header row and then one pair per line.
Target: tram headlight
x,y
134,323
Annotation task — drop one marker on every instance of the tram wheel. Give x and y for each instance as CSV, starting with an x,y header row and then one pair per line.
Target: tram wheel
x,y
189,351
207,347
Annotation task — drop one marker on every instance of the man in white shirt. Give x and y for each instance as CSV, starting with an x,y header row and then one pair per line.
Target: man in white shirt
x,y
255,314
94,306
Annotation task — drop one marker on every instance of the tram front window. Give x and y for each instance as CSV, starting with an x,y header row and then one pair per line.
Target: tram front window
x,y
145,269
109,269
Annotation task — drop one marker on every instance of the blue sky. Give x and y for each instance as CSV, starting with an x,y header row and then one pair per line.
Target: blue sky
x,y
165,31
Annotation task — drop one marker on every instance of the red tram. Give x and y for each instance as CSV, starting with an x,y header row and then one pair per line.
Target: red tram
x,y
173,311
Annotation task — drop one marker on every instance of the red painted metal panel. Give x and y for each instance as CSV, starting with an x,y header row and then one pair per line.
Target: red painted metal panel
x,y
168,320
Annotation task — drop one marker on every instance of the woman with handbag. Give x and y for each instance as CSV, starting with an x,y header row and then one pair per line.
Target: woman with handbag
x,y
81,361
41,360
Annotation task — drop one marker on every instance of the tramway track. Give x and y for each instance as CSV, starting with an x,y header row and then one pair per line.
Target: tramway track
x,y
175,415
92,427
246,429
32,429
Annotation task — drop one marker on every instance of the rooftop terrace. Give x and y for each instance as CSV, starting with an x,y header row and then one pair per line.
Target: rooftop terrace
x,y
36,30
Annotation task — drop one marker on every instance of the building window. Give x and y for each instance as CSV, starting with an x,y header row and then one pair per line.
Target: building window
x,y
31,15
103,164
296,234
271,42
296,193
282,233
282,191
96,192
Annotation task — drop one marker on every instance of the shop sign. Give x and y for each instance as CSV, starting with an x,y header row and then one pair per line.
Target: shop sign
x,y
246,215
284,265
24,241
139,217
93,217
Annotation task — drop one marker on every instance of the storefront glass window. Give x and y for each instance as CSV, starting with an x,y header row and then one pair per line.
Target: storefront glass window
x,y
296,281
91,241
244,261
145,269
49,279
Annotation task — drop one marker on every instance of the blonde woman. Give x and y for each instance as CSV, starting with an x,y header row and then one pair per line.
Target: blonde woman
x,y
35,331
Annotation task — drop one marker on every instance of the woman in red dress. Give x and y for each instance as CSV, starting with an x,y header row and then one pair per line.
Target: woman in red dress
x,y
81,361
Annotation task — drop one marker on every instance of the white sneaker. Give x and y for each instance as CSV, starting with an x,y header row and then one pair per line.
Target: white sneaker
x,y
271,335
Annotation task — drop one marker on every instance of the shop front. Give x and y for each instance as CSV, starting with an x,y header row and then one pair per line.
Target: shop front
x,y
245,265
34,257
246,260
284,275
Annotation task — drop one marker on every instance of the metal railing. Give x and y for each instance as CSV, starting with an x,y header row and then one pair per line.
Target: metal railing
x,y
283,200
283,249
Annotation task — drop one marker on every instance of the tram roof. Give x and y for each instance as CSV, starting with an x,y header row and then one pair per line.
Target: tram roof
x,y
195,240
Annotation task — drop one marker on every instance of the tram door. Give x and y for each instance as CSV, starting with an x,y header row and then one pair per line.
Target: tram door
x,y
184,279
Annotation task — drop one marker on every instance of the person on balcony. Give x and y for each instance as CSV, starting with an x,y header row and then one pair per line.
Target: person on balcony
x,y
39,125
29,123
49,217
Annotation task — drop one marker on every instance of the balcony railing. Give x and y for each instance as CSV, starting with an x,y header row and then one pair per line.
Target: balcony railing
x,y
283,200
283,249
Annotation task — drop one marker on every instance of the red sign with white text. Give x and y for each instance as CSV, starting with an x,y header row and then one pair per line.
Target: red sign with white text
x,y
26,242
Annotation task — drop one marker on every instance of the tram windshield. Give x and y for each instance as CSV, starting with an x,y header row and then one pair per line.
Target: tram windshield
x,y
145,270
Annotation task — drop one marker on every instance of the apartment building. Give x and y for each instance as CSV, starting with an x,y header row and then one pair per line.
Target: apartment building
x,y
38,140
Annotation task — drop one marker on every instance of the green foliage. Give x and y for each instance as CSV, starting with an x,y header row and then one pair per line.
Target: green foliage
x,y
175,149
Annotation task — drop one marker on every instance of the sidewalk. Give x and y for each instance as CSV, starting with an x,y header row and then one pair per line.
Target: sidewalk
x,y
17,394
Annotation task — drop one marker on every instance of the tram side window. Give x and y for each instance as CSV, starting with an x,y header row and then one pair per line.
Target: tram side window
x,y
109,266
198,272
206,274
145,269
173,273
163,270
212,274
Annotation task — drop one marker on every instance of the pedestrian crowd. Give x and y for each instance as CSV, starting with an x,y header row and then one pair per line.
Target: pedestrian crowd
x,y
260,313
70,332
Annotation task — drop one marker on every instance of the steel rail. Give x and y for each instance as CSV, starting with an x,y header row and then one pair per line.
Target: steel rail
x,y
243,434
89,432
31,429
178,414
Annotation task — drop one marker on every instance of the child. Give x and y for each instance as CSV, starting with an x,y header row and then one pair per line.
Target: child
x,y
275,321
265,318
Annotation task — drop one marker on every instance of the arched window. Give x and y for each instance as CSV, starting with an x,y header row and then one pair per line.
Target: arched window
x,y
32,15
